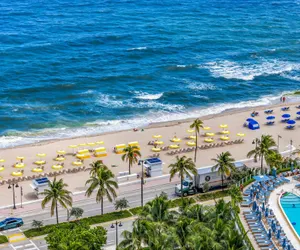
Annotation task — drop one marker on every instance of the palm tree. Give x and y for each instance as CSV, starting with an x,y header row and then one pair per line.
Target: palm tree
x,y
236,196
77,212
56,194
182,166
224,165
121,204
131,154
196,125
274,159
37,224
103,181
94,166
263,148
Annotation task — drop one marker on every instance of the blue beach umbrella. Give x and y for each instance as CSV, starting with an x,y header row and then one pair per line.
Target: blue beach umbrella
x,y
270,234
291,122
284,243
278,233
298,113
286,116
271,117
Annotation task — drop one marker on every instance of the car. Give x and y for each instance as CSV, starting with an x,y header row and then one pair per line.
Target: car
x,y
9,223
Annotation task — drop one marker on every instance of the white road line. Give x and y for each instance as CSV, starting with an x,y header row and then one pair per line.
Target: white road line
x,y
28,245
17,247
33,248
12,246
34,244
43,246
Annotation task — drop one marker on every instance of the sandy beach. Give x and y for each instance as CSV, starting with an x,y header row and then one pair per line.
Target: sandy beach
x,y
234,119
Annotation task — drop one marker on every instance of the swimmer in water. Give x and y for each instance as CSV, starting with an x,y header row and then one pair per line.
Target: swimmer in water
x,y
294,205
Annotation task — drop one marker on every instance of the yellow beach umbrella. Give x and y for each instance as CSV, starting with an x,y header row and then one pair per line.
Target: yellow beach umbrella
x,y
19,165
77,163
100,142
41,155
91,144
209,134
174,146
59,158
240,134
20,158
225,132
191,143
37,170
206,128
224,138
39,162
82,144
73,146
2,160
191,131
157,136
55,167
156,149
193,137
1,169
158,142
223,126
61,152
16,173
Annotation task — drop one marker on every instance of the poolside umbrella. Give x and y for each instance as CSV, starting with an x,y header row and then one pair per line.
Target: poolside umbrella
x,y
286,116
267,212
263,207
20,158
261,178
254,206
273,226
289,247
284,242
291,122
270,234
259,216
274,172
278,232
271,117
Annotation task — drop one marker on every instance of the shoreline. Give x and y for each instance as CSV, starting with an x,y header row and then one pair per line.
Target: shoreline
x,y
170,123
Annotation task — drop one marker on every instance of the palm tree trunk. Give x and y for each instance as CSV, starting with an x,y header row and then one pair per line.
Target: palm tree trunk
x,y
195,157
101,205
181,181
129,167
56,211
222,177
261,163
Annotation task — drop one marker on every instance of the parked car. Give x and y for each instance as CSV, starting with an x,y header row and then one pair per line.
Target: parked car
x,y
9,223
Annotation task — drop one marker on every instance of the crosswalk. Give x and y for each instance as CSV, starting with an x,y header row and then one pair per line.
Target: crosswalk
x,y
18,241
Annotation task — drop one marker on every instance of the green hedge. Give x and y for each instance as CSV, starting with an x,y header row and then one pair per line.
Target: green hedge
x,y
246,183
3,239
212,195
135,210
90,220
249,244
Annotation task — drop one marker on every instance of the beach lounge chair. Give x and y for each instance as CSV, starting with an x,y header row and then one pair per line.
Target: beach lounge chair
x,y
270,123
285,108
298,118
297,107
290,127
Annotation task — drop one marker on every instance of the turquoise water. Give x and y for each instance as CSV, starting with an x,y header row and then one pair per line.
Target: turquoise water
x,y
81,67
292,213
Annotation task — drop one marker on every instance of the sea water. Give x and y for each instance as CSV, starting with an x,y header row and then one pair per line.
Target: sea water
x,y
81,67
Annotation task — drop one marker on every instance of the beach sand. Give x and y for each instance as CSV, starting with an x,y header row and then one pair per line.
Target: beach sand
x,y
234,118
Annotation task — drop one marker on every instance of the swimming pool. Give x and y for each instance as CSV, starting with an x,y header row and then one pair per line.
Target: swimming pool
x,y
291,205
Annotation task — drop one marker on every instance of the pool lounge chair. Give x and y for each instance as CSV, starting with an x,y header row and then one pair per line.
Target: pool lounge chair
x,y
246,203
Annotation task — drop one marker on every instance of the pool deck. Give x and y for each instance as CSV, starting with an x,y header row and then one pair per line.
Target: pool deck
x,y
274,204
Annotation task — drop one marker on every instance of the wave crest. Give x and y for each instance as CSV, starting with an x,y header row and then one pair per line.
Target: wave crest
x,y
147,96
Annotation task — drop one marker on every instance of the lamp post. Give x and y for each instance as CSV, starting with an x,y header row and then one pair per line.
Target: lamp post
x,y
113,225
141,162
278,137
21,192
13,185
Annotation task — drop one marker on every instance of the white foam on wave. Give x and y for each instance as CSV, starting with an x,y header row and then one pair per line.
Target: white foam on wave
x,y
203,97
137,48
153,116
200,86
147,96
248,71
291,77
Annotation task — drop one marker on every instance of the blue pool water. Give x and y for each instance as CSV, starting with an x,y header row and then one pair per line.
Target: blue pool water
x,y
79,67
293,213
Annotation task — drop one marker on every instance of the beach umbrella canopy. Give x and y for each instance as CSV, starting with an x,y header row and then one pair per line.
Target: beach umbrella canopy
x,y
274,172
61,152
41,155
82,144
206,128
157,136
73,146
1,169
291,122
223,126
2,160
100,142
240,134
261,178
298,113
271,117
191,131
91,144
286,116
20,158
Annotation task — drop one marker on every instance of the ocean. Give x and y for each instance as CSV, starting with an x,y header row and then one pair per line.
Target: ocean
x,y
83,67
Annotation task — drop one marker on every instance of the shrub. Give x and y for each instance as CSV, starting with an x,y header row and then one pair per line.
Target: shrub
x,y
136,210
3,239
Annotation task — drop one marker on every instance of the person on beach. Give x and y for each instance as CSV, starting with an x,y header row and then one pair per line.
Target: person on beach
x,y
283,99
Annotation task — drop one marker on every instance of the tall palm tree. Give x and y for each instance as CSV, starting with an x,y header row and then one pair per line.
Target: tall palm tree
x,y
224,165
196,125
94,166
103,181
131,154
263,148
274,159
56,194
183,166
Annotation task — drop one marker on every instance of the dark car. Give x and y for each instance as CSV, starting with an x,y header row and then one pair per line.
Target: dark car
x,y
9,223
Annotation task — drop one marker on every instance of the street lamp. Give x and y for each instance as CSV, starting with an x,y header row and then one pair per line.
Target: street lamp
x,y
118,224
13,185
278,137
141,162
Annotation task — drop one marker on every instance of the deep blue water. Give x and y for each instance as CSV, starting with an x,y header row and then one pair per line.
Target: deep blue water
x,y
80,67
